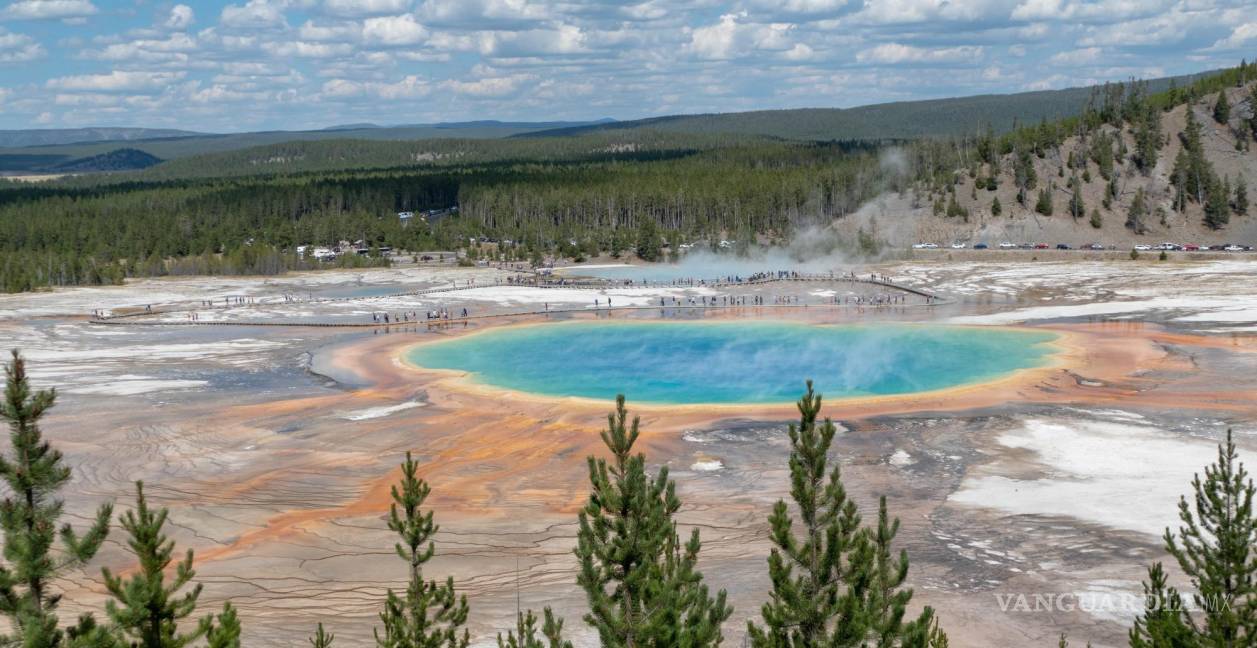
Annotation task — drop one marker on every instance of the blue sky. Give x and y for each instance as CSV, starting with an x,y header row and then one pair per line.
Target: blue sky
x,y
290,64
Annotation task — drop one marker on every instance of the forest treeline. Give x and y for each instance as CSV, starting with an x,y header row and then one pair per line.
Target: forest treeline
x,y
101,232
835,579
244,212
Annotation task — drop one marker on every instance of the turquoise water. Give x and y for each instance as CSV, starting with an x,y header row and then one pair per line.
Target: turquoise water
x,y
743,362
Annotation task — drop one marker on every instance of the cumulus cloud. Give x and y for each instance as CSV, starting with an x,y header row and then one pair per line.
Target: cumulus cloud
x,y
1083,56
175,47
365,7
483,14
409,87
566,39
48,9
895,53
1088,10
253,14
116,81
734,36
1242,36
18,48
495,87
181,17
393,31
307,63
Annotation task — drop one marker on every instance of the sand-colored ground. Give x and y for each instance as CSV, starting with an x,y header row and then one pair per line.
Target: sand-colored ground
x,y
275,450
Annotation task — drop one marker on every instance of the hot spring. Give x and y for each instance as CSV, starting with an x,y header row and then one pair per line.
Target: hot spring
x,y
733,362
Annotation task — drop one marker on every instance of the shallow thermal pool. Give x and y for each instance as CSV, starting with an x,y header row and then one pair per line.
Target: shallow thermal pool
x,y
733,362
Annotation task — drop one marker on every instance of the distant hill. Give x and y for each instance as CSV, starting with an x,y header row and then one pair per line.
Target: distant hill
x,y
60,136
123,159
183,144
889,121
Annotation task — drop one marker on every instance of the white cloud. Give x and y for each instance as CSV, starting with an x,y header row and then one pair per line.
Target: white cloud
x,y
1089,10
343,31
566,39
173,48
48,9
303,49
919,11
393,31
181,17
18,48
800,52
489,87
1084,56
732,37
893,53
410,87
482,14
254,14
1240,37
365,7
116,81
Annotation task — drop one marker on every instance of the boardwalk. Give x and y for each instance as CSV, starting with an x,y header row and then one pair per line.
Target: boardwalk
x,y
143,317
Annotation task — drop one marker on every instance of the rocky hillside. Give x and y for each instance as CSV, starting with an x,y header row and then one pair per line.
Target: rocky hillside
x,y
1092,182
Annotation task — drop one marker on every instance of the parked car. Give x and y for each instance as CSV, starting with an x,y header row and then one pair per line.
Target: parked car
x,y
1062,246
1143,247
1040,246
980,246
1234,248
925,246
1191,247
1007,246
958,246
1095,246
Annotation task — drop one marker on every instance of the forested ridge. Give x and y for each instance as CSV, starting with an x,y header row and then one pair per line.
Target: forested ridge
x,y
244,212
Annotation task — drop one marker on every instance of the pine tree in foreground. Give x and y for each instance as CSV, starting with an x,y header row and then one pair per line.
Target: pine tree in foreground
x,y
1217,548
321,638
224,632
642,583
430,614
834,583
146,609
34,473
526,631
1164,623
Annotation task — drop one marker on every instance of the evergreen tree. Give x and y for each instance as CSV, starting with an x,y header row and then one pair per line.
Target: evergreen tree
x,y
649,245
145,609
1217,548
1077,208
1164,623
833,582
642,584
34,473
1241,196
321,638
1252,108
430,614
1096,220
1138,211
1044,204
996,208
1217,204
526,634
1148,139
225,632
1222,109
